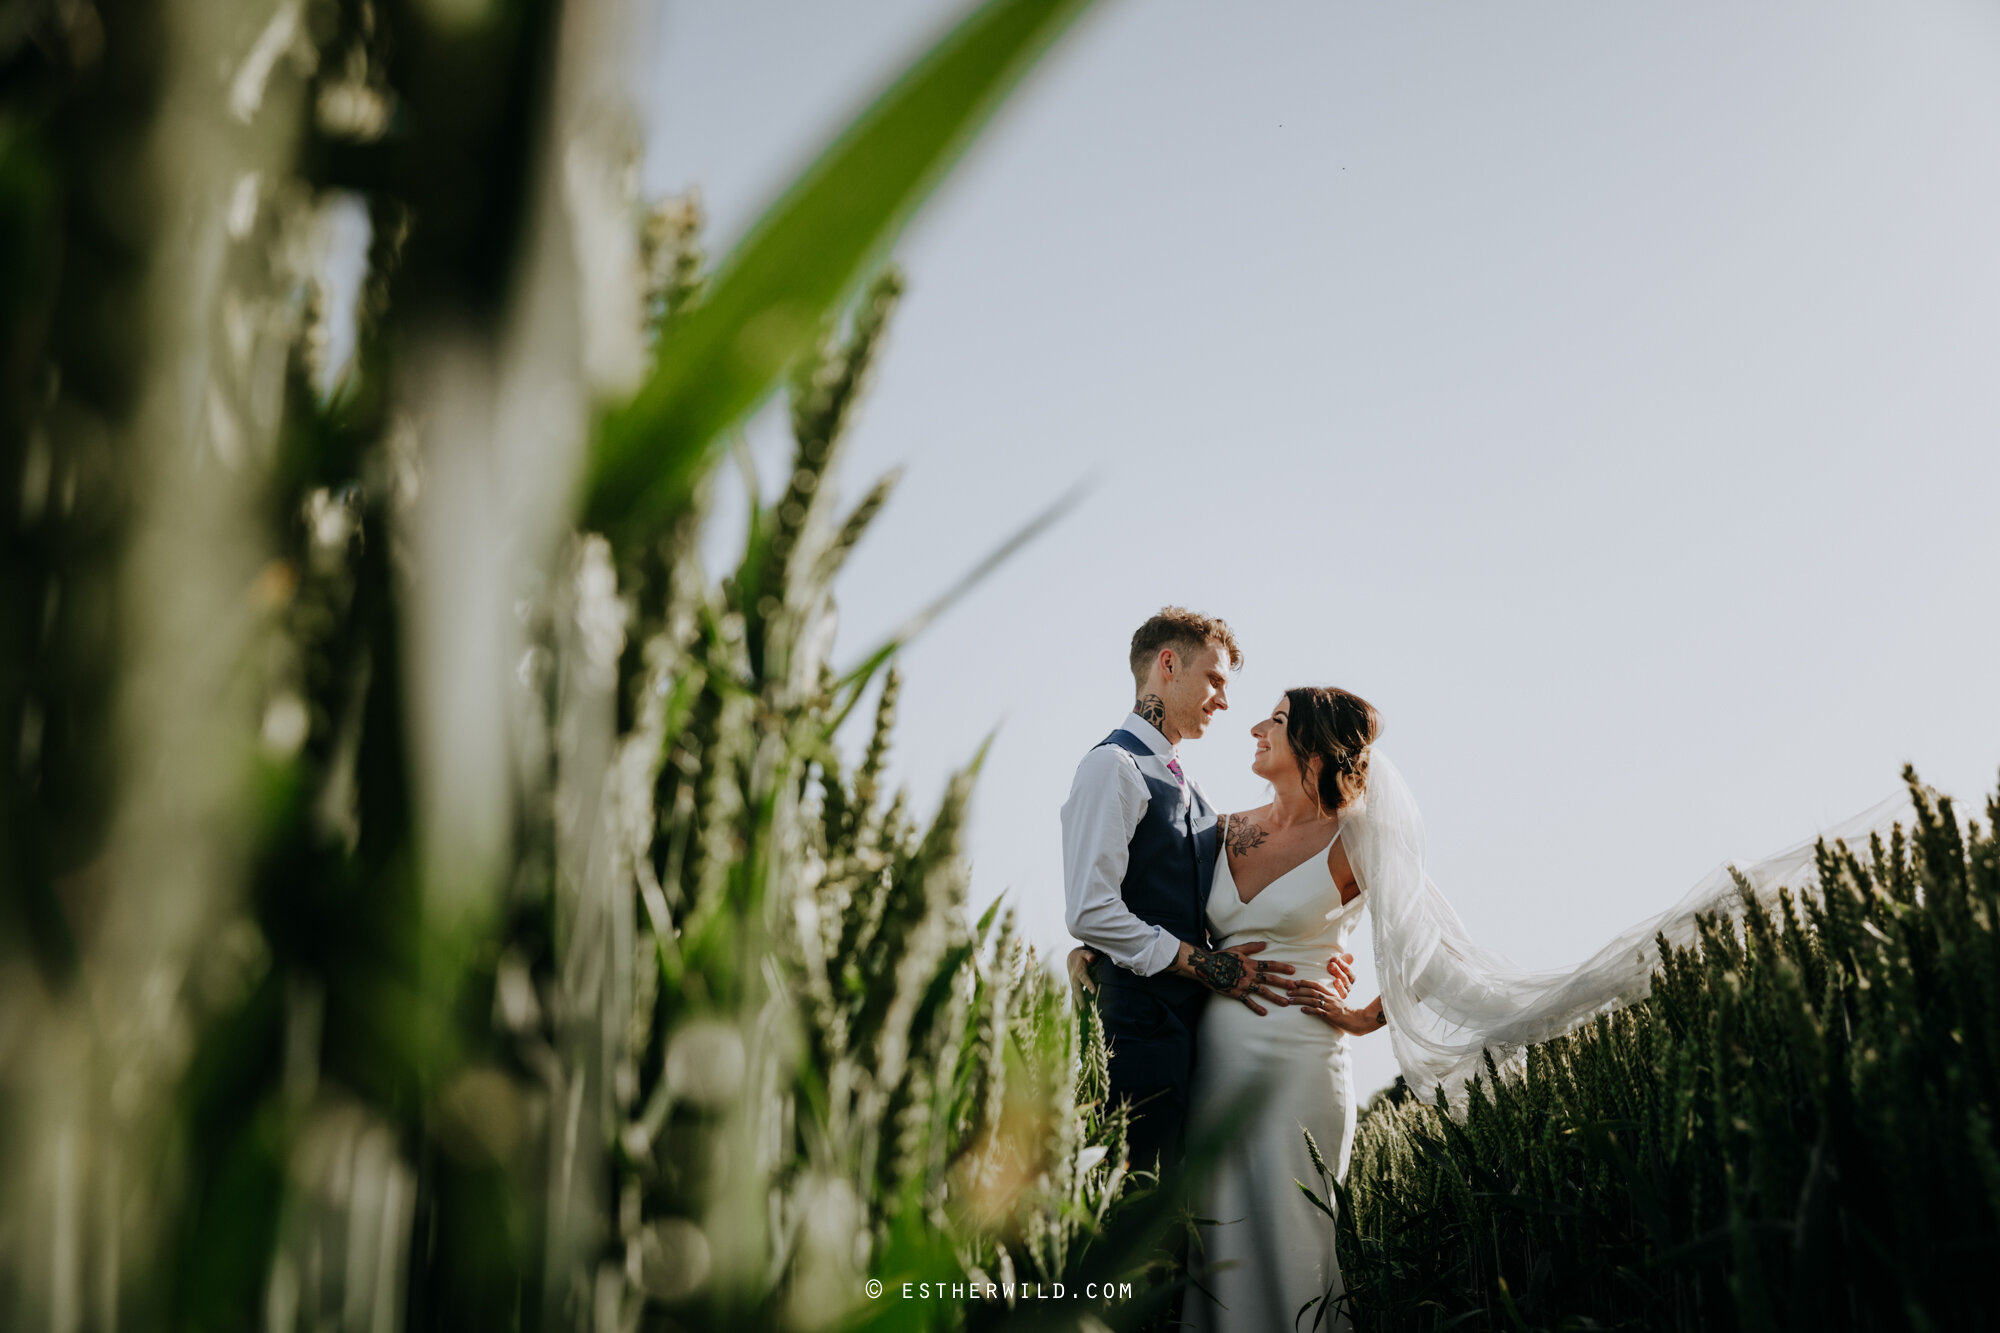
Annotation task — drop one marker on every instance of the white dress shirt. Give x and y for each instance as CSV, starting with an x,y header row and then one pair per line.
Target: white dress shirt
x,y
1106,801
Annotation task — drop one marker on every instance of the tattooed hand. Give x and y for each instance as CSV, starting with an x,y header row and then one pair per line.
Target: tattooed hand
x,y
1223,973
1233,972
1154,709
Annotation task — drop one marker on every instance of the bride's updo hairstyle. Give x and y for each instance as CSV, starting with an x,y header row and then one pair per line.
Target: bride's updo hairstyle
x,y
1335,727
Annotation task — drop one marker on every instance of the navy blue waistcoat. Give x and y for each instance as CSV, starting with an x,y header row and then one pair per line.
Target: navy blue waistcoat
x,y
1171,866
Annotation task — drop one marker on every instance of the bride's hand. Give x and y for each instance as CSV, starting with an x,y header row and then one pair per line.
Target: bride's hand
x,y
1341,968
1317,1000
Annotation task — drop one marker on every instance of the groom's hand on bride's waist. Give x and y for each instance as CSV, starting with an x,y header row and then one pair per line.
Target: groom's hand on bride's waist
x,y
1233,972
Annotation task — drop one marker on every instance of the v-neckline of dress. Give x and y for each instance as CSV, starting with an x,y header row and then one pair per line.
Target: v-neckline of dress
x,y
1236,890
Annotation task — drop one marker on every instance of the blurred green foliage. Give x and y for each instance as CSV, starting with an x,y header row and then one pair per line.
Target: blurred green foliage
x,y
716,1040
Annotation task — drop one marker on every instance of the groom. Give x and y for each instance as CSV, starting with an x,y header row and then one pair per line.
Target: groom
x,y
1139,849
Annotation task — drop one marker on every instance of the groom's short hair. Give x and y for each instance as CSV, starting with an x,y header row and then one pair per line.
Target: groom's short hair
x,y
1184,631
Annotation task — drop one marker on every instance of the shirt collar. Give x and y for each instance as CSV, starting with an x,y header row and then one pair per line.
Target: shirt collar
x,y
1150,734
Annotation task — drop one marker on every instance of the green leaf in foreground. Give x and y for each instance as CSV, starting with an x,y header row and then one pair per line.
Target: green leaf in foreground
x,y
803,258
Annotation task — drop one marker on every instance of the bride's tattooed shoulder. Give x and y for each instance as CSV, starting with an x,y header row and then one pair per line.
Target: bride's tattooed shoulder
x,y
1244,835
1153,708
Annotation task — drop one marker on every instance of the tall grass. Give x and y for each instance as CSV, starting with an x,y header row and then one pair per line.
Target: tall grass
x,y
1796,1131
832,1071
434,900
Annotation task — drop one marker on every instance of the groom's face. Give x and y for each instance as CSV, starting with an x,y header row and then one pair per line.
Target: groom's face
x,y
1200,689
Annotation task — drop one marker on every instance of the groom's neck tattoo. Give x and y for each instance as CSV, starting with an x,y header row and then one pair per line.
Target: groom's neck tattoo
x,y
1244,836
1223,973
1154,709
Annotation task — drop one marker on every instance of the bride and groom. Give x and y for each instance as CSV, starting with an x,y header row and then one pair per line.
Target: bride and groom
x,y
1216,945
1175,904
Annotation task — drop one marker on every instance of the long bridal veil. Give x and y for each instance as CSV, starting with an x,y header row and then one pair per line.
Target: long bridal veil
x,y
1450,1001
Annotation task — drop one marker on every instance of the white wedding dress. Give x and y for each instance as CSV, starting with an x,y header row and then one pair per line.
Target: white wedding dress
x,y
1265,1251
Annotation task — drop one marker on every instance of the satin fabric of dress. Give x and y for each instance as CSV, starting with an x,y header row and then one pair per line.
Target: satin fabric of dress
x,y
1265,1250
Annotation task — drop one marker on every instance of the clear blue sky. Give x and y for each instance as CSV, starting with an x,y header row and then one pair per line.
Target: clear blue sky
x,y
1605,391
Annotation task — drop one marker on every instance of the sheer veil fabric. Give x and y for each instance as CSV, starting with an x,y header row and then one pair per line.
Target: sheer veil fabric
x,y
1449,1001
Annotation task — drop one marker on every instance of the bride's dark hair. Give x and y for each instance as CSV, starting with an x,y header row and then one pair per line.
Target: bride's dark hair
x,y
1336,727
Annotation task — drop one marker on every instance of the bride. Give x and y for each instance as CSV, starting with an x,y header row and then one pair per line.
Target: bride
x,y
1286,876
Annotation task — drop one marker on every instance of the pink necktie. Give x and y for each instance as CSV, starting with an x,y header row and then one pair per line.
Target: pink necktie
x,y
1174,767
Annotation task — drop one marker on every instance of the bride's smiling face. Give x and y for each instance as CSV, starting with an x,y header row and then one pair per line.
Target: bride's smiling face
x,y
1274,758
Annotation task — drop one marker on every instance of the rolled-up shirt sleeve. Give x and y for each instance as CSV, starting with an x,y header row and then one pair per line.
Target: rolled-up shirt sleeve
x,y
1106,802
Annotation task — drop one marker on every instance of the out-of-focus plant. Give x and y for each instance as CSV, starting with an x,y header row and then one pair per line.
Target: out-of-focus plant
x,y
831,1072
421,909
